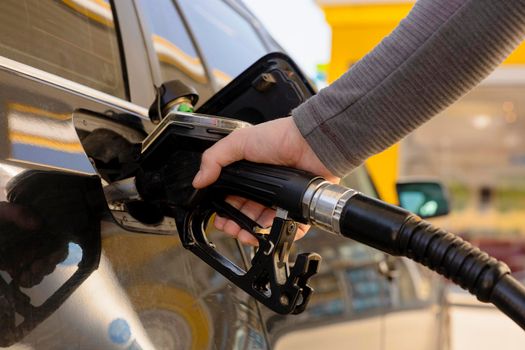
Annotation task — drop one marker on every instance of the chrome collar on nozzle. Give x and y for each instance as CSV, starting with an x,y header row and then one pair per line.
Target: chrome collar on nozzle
x,y
323,203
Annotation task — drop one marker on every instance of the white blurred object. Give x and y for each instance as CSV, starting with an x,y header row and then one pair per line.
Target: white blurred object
x,y
475,325
299,27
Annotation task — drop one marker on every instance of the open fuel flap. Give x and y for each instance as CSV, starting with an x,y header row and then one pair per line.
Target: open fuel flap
x,y
267,90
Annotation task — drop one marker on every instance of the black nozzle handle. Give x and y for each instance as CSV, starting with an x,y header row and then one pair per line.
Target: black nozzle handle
x,y
269,185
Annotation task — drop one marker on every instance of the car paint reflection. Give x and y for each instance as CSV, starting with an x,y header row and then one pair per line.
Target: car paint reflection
x,y
56,288
97,10
49,257
39,136
168,53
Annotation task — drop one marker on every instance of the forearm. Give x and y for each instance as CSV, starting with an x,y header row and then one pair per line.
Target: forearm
x,y
437,54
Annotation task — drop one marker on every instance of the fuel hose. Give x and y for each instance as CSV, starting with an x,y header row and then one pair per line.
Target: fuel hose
x,y
398,232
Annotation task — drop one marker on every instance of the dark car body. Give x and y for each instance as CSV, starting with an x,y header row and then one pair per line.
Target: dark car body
x,y
76,78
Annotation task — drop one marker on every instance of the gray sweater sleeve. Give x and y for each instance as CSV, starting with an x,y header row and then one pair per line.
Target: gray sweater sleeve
x,y
440,51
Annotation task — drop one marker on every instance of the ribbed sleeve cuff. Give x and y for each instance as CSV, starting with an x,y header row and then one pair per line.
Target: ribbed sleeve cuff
x,y
332,155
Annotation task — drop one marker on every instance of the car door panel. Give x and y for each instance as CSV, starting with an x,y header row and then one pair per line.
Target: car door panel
x,y
42,143
40,128
142,284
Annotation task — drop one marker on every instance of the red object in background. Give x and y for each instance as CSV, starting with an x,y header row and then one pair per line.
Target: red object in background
x,y
511,251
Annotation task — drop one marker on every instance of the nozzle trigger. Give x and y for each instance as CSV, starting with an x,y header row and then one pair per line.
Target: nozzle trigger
x,y
271,278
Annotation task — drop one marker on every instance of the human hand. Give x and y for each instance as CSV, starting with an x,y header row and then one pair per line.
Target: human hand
x,y
275,142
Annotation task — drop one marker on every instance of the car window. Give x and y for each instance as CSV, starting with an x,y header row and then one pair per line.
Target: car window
x,y
73,39
229,42
173,47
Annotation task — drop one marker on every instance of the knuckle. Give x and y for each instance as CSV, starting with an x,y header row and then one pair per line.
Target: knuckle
x,y
207,157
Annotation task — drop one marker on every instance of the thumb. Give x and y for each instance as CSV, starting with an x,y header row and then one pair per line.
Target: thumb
x,y
226,151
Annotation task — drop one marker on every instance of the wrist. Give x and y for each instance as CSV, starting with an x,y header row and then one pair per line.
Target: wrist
x,y
307,158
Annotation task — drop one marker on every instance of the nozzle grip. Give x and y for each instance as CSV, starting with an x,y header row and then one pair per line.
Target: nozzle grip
x,y
269,185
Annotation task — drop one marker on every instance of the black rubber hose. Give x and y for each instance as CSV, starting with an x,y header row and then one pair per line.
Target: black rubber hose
x,y
399,232
508,297
450,256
